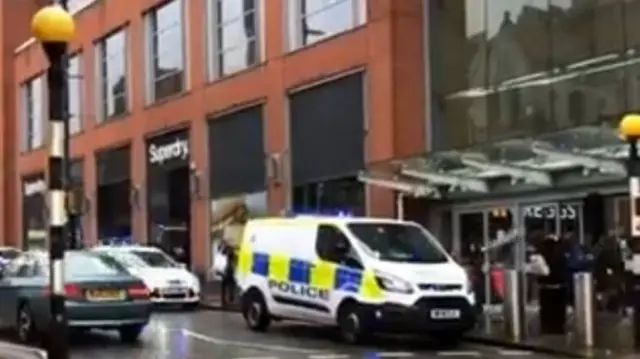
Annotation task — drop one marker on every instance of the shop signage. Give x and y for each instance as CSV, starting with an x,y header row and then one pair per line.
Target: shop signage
x,y
551,212
33,187
178,149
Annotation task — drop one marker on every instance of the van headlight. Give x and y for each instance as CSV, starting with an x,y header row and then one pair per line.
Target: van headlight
x,y
391,283
468,284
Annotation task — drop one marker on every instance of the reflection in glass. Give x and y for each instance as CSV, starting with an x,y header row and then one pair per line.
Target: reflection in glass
x,y
33,123
229,215
75,94
234,26
112,65
167,50
505,68
311,21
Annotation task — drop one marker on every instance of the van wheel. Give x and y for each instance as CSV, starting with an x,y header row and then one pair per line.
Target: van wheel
x,y
255,311
352,324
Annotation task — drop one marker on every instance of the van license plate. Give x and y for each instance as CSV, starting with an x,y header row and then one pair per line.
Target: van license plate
x,y
445,313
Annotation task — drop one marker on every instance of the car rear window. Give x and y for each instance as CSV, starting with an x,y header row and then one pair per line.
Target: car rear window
x,y
89,264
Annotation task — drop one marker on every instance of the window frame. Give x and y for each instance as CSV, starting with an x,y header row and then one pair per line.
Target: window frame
x,y
214,24
101,74
294,20
78,77
27,119
352,260
150,38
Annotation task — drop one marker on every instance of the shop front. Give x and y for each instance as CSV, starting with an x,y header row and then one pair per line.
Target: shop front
x,y
34,211
168,194
327,137
569,184
114,194
237,175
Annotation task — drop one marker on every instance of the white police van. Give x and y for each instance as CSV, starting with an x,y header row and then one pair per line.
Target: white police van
x,y
364,275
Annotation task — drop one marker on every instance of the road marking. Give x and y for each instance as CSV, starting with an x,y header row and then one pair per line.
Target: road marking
x,y
250,345
515,352
329,356
395,355
461,353
257,358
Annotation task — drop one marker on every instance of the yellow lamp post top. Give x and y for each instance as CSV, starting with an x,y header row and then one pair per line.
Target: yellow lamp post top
x,y
52,23
630,126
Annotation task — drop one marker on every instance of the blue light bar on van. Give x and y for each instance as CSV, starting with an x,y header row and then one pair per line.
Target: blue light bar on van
x,y
320,212
117,241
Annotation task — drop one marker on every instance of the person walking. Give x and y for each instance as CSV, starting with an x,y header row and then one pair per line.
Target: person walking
x,y
228,277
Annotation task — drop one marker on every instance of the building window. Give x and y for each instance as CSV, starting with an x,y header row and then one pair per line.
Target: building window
x,y
165,51
234,41
111,55
33,113
76,6
311,21
75,94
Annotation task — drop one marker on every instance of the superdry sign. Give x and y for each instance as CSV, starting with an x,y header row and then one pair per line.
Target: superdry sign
x,y
168,149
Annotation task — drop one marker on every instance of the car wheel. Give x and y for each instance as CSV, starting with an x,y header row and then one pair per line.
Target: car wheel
x,y
351,323
25,325
130,333
255,312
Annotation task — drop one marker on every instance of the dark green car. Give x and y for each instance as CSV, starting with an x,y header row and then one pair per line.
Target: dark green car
x,y
100,294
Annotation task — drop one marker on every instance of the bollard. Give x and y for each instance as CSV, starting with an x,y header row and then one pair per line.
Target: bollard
x,y
513,305
584,306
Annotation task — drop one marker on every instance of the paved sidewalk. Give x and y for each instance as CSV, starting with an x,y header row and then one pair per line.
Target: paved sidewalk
x,y
613,336
210,297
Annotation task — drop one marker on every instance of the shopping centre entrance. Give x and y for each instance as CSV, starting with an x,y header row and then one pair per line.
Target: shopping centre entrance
x,y
569,184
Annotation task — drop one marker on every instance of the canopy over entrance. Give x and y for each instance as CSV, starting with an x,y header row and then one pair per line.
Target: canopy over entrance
x,y
581,155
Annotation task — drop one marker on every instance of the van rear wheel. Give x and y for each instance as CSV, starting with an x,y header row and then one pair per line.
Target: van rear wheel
x,y
255,311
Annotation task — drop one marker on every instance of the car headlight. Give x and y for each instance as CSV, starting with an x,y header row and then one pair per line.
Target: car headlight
x,y
391,283
468,283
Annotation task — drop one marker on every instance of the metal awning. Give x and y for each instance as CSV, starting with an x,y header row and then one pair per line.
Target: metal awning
x,y
535,161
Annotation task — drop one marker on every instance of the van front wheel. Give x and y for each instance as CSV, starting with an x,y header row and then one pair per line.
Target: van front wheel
x,y
255,311
352,324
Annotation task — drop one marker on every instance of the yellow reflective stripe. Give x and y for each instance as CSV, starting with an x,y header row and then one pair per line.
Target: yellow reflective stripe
x,y
279,267
369,288
245,260
323,275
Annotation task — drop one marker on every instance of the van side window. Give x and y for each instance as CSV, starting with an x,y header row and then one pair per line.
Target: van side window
x,y
333,246
327,241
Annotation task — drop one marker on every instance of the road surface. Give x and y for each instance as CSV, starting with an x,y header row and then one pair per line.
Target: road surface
x,y
212,335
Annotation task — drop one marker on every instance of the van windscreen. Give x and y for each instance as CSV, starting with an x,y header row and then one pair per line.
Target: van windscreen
x,y
397,242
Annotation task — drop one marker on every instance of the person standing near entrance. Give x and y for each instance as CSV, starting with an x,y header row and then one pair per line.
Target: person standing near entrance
x,y
552,288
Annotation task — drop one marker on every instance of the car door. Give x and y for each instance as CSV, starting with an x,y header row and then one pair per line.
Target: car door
x,y
13,277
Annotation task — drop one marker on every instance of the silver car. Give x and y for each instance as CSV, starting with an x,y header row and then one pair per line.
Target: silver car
x,y
100,294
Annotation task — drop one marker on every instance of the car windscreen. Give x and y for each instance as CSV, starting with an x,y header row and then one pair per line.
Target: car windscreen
x,y
396,242
156,259
82,264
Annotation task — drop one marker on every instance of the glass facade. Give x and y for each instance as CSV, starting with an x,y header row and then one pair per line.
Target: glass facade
x,y
508,68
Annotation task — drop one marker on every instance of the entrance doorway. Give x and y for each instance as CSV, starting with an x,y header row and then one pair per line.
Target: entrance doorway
x,y
476,229
169,195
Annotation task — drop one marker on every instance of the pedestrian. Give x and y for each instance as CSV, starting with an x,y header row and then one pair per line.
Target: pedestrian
x,y
228,277
552,288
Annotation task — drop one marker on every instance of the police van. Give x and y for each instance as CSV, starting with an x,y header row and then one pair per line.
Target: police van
x,y
365,275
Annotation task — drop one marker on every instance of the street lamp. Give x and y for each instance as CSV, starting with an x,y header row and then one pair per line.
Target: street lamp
x,y
630,131
54,27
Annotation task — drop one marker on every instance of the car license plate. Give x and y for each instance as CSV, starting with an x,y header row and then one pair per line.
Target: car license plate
x,y
174,290
105,294
445,314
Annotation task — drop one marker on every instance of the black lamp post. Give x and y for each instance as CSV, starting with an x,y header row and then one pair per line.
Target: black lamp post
x,y
630,132
54,27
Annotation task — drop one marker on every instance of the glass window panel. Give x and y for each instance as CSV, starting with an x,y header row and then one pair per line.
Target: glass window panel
x,y
167,50
37,112
113,63
324,18
75,94
235,28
